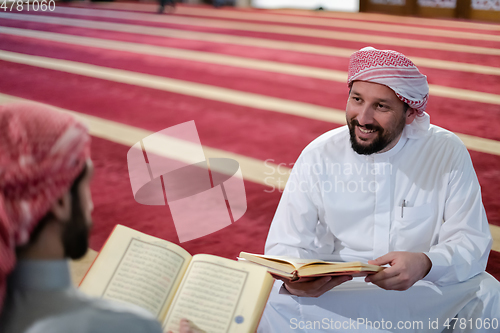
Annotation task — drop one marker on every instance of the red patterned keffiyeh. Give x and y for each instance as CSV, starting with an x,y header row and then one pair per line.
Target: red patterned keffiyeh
x,y
41,152
393,70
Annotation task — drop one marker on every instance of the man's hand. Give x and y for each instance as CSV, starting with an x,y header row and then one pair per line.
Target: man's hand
x,y
314,287
187,326
406,269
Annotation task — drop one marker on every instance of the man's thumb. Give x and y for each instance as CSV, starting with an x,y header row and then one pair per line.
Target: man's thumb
x,y
385,259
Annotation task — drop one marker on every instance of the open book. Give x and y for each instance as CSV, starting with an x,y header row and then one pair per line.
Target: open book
x,y
295,268
217,294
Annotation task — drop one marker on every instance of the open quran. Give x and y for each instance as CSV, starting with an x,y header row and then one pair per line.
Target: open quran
x,y
217,294
295,268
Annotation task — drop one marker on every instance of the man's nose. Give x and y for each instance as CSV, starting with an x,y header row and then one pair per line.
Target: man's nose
x,y
365,116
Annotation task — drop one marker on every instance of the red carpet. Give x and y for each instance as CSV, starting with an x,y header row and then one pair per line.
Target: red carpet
x,y
350,44
247,131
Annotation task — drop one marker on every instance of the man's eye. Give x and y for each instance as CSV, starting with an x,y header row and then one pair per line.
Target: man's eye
x,y
382,106
357,99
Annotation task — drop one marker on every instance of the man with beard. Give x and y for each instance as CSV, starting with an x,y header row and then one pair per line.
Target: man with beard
x,y
45,217
388,189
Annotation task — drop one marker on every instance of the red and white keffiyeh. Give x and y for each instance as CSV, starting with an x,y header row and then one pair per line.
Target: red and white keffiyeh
x,y
393,70
42,151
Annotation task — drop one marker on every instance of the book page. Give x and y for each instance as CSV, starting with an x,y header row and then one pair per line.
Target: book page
x,y
354,268
220,295
283,263
139,269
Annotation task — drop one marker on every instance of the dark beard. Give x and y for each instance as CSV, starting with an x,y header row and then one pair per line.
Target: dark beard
x,y
76,232
383,139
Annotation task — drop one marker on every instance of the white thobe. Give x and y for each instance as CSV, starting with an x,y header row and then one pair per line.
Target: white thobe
x,y
420,196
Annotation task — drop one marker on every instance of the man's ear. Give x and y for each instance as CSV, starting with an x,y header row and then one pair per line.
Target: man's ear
x,y
410,115
61,208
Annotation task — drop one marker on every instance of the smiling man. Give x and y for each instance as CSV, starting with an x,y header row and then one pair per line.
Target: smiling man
x,y
387,189
376,117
